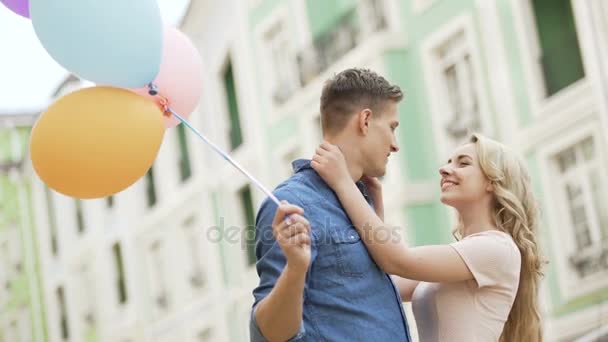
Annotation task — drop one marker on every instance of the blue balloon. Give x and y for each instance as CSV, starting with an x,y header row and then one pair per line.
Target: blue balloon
x,y
109,42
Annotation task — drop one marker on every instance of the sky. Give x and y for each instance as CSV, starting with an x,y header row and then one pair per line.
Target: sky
x,y
28,75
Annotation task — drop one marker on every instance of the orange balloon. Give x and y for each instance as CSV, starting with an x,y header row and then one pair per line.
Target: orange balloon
x,y
96,141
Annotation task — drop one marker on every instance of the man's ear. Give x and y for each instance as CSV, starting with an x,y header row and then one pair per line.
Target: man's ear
x,y
364,119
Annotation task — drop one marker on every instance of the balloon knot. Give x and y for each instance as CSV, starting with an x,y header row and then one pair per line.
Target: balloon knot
x,y
152,89
164,103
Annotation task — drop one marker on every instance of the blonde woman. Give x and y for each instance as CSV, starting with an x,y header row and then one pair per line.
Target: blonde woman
x,y
483,287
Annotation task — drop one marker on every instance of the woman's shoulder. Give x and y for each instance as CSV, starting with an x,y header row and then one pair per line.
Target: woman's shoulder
x,y
492,256
497,242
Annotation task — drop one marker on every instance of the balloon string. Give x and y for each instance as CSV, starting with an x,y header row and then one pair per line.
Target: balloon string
x,y
168,111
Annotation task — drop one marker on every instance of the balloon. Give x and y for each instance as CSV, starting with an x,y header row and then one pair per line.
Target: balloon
x,y
96,141
181,75
110,42
21,7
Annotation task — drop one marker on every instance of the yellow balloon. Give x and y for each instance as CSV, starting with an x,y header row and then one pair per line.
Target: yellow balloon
x,y
96,141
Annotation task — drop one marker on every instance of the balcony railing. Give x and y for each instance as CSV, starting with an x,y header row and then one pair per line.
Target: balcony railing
x,y
332,45
6,167
593,259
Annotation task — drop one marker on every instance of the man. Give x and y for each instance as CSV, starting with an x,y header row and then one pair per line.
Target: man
x,y
317,280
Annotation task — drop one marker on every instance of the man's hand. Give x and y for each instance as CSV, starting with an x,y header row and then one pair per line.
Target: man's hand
x,y
279,314
292,233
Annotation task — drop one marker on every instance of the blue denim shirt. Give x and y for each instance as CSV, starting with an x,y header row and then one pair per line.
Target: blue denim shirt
x,y
346,296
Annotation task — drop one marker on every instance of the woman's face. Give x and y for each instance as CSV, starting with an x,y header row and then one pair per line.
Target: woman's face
x,y
462,180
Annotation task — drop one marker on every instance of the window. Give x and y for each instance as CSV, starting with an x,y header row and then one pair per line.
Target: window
x,y
205,335
158,279
10,253
196,277
583,193
462,112
15,248
52,219
282,62
455,89
337,27
63,313
79,216
87,296
281,59
559,53
235,135
185,170
110,202
249,219
372,16
6,271
150,188
120,282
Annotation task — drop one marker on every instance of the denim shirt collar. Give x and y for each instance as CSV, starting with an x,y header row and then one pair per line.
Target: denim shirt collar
x,y
300,164
304,164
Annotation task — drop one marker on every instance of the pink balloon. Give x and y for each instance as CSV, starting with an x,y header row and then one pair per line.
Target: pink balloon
x,y
180,79
21,7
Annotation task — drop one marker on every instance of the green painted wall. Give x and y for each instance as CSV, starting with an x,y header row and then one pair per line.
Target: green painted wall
x,y
514,58
428,224
417,148
323,15
12,214
219,222
262,11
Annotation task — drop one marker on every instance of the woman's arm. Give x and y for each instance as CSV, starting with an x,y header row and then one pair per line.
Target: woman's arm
x,y
440,263
374,189
406,287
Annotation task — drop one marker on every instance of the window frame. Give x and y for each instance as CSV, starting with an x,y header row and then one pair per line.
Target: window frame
x,y
433,77
529,53
558,222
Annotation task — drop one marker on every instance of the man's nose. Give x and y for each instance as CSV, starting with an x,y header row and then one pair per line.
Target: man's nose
x,y
394,147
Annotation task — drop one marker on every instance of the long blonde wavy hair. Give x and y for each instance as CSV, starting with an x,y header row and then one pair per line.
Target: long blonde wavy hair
x,y
515,212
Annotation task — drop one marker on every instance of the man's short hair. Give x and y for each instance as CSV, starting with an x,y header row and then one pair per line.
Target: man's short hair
x,y
353,90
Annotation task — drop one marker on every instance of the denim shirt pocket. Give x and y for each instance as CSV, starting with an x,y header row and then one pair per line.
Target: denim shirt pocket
x,y
352,259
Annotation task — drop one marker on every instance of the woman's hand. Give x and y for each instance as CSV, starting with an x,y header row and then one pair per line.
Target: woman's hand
x,y
330,164
373,185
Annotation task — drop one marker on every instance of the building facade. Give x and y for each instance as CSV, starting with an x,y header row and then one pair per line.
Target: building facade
x,y
171,257
21,317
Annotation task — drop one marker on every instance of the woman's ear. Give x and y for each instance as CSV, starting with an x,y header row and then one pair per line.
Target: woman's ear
x,y
364,118
490,187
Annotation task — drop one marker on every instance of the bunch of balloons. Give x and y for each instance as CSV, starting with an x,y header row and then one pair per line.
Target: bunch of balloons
x,y
97,141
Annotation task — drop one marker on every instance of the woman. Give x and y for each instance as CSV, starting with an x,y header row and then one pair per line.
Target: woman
x,y
484,287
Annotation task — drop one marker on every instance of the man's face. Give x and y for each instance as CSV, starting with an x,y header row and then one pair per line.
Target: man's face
x,y
380,140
